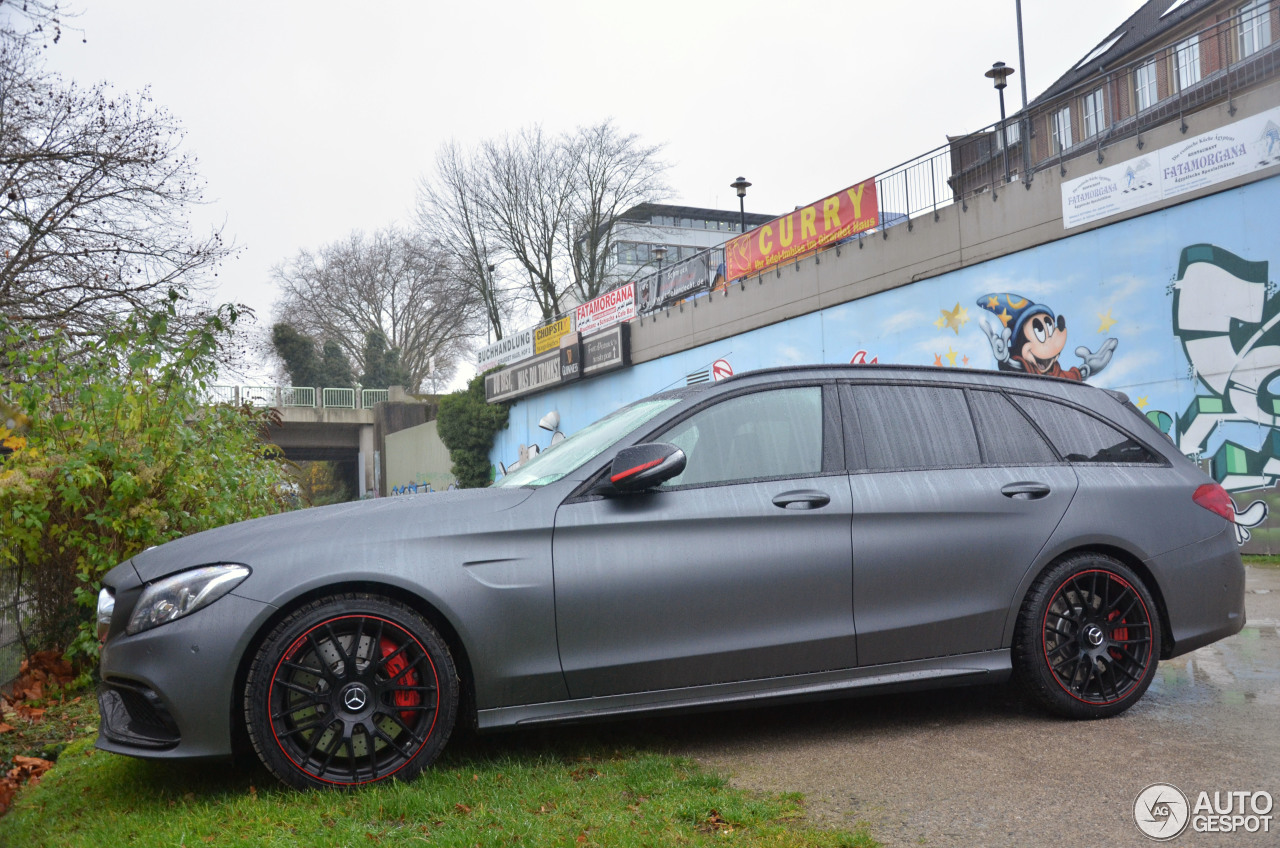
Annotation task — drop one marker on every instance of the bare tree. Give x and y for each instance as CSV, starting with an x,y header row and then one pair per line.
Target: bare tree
x,y
612,173
544,207
451,213
44,19
392,283
527,189
94,192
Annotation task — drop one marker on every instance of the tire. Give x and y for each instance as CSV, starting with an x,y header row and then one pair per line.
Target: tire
x,y
349,690
1087,640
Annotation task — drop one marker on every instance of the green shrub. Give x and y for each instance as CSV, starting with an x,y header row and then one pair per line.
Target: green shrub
x,y
467,425
112,450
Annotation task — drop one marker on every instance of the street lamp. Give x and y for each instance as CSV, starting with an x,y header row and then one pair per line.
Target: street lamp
x,y
659,252
741,185
998,74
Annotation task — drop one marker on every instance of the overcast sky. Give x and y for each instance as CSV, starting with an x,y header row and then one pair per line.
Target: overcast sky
x,y
314,119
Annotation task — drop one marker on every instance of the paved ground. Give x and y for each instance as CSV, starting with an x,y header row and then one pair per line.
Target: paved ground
x,y
978,767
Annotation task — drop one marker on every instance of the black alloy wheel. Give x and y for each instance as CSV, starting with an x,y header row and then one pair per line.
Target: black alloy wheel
x,y
1088,638
351,690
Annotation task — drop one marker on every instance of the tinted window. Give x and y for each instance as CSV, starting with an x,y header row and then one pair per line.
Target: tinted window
x,y
1007,437
768,434
915,427
1080,437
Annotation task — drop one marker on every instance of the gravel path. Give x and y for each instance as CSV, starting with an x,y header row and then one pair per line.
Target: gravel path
x,y
978,767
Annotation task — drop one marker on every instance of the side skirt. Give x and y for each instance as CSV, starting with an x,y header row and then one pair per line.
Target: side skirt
x,y
961,670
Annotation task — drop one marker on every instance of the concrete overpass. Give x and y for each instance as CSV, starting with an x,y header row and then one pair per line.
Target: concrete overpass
x,y
342,436
338,425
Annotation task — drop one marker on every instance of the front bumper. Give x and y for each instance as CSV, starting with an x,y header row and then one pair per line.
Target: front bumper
x,y
170,692
1203,589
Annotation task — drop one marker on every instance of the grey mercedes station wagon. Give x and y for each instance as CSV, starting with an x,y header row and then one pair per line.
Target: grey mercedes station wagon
x,y
790,533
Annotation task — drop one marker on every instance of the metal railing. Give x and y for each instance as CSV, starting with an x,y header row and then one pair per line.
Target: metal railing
x,y
1220,72
280,396
340,397
976,164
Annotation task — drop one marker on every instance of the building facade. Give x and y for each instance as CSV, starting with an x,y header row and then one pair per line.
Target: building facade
x,y
1169,58
684,231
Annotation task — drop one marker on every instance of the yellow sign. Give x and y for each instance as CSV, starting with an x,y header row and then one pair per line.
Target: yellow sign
x,y
548,337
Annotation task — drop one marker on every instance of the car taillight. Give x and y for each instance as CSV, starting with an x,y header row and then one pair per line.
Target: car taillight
x,y
1214,498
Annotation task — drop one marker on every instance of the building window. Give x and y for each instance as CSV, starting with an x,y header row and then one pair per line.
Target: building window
x,y
1255,27
1144,83
1011,131
1186,56
1095,114
1060,129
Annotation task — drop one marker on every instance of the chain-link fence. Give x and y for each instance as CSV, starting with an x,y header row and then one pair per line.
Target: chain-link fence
x,y
14,609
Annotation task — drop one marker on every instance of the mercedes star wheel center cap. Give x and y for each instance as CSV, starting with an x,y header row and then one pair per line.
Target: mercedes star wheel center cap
x,y
355,698
1093,633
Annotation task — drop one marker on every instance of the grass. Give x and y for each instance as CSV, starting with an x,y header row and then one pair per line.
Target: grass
x,y
1267,561
525,789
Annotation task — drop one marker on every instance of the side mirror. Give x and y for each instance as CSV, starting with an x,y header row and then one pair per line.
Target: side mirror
x,y
642,467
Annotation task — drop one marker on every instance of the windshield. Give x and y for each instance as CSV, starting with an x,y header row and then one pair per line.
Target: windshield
x,y
584,445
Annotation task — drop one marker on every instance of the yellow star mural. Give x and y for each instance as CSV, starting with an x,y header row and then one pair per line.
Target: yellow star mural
x,y
1005,317
1142,402
993,302
954,318
1106,320
951,356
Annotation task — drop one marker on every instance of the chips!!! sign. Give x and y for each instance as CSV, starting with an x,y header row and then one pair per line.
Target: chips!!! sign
x,y
608,309
548,336
806,230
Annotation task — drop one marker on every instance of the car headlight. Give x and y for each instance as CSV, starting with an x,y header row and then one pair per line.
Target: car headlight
x,y
182,594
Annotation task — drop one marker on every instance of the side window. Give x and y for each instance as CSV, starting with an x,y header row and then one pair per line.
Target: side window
x,y
906,427
1007,436
774,433
1080,437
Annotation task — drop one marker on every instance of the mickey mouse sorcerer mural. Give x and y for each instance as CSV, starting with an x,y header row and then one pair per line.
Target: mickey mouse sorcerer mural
x,y
1030,338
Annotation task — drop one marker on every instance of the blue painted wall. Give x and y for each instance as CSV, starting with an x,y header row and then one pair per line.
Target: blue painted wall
x,y
1181,298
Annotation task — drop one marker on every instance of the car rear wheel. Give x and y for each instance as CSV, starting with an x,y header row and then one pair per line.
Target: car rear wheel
x,y
348,690
1087,640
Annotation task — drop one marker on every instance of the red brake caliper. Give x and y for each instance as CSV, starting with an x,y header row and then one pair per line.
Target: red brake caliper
x,y
1120,634
397,667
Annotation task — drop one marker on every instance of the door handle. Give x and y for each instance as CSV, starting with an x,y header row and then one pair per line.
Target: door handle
x,y
802,499
1025,491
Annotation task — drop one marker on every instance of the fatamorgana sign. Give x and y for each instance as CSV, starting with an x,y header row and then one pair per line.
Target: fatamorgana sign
x,y
608,309
1235,150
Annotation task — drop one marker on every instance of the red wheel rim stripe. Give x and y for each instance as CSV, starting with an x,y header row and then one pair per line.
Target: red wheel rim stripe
x,y
290,652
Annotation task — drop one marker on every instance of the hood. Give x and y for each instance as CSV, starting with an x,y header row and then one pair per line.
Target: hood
x,y
262,540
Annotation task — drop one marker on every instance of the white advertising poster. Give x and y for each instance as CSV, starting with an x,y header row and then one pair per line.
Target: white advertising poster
x,y
610,308
1235,150
513,348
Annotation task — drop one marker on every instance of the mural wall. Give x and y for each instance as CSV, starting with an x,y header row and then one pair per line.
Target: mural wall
x,y
1176,309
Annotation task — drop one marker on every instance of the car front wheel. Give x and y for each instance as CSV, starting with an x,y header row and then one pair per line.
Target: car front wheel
x,y
1087,640
350,689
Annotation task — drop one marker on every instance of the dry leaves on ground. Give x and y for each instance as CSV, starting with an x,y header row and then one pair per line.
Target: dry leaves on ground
x,y
37,677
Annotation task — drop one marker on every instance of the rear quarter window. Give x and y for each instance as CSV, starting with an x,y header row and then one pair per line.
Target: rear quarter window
x,y
1008,438
1080,437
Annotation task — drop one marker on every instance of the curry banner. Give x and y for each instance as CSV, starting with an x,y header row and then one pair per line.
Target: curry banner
x,y
808,229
